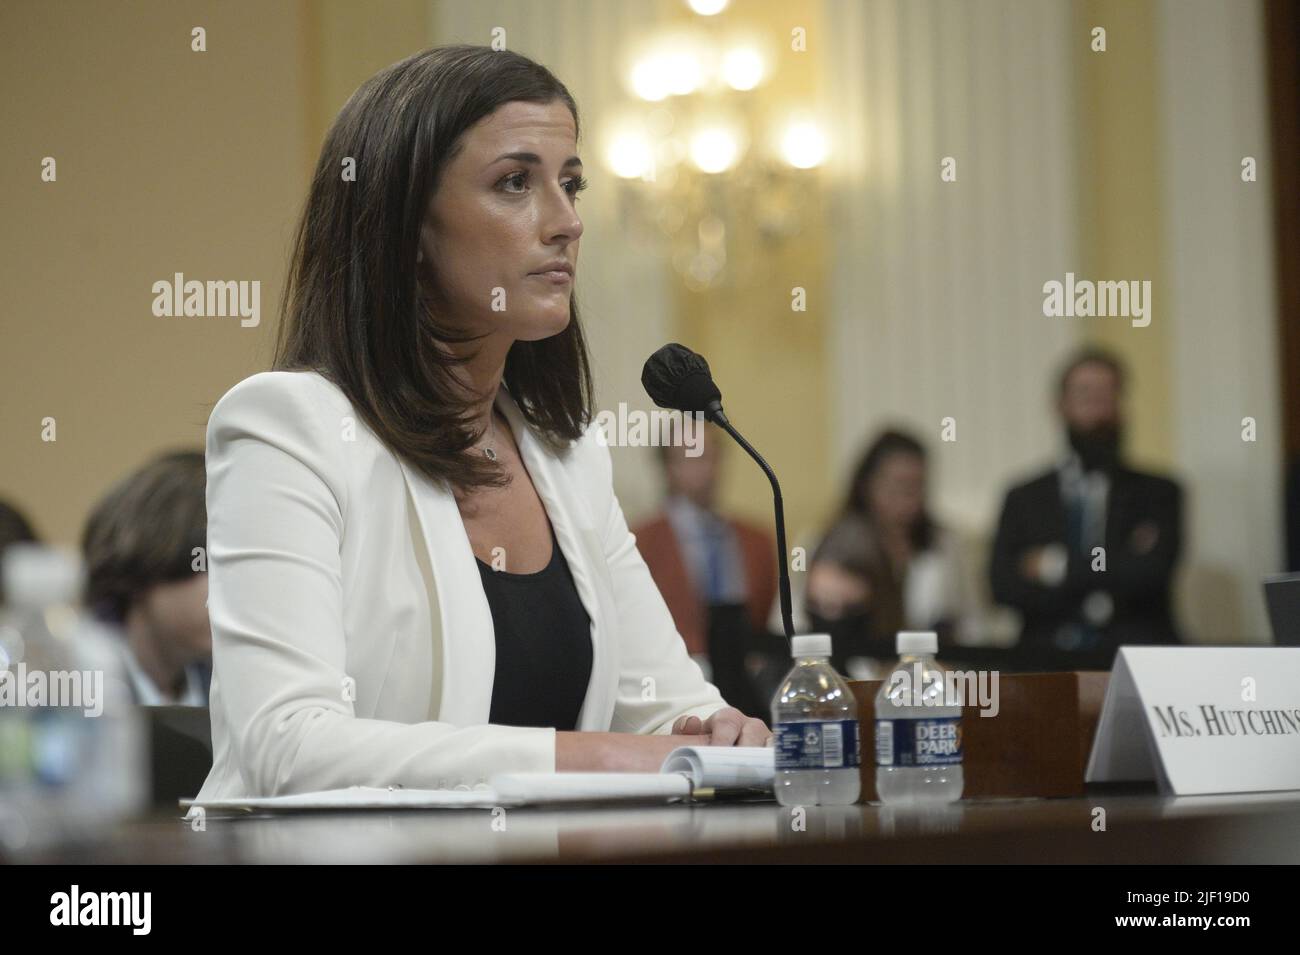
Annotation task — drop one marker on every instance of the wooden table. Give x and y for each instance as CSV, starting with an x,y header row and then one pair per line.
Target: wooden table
x,y
1140,827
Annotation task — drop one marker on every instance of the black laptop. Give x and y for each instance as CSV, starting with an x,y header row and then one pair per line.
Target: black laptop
x,y
1282,594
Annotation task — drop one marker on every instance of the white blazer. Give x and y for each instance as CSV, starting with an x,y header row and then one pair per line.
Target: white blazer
x,y
352,641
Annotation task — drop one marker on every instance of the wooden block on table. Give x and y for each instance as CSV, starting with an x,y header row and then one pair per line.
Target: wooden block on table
x,y
1036,745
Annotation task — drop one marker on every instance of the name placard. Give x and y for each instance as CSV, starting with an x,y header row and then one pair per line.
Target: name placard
x,y
1201,720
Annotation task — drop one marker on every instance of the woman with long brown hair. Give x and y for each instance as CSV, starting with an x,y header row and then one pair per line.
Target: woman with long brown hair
x,y
419,573
884,565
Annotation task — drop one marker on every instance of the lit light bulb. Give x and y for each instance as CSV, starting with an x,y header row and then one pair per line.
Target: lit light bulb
x,y
714,150
742,68
707,8
803,145
651,79
684,72
629,156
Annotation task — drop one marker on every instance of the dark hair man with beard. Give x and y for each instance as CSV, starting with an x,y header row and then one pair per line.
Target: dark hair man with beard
x,y
1086,552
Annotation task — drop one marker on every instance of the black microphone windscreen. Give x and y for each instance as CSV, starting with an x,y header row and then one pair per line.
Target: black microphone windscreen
x,y
678,378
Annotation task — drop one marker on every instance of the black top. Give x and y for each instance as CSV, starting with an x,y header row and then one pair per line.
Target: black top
x,y
543,638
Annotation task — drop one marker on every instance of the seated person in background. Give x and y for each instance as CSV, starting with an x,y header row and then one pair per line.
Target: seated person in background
x,y
717,574
139,548
884,565
1086,551
14,529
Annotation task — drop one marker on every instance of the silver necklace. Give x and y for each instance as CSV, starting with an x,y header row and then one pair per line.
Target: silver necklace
x,y
490,452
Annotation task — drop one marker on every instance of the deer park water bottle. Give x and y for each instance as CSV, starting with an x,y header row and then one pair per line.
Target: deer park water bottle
x,y
815,721
918,735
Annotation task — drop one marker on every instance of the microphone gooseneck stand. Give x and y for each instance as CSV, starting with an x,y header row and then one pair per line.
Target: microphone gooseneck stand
x,y
718,417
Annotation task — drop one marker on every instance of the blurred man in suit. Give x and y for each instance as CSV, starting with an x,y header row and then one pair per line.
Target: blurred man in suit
x,y
717,574
1086,551
139,546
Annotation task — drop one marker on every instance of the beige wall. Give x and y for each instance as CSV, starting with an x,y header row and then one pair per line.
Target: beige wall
x,y
1218,250
168,161
1120,205
348,42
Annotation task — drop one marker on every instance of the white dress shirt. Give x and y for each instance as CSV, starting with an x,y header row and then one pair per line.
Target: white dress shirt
x,y
148,693
692,526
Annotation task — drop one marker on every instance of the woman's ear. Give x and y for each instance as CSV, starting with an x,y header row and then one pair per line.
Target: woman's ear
x,y
427,236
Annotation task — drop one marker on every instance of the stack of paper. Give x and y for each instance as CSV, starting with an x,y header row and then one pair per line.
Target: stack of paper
x,y
687,770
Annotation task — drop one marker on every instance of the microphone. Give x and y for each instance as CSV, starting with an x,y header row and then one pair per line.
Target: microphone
x,y
679,379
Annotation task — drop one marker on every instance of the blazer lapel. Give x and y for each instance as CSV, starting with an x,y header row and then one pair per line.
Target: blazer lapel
x,y
466,636
582,549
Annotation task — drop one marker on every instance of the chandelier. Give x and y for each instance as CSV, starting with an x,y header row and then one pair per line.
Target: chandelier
x,y
715,169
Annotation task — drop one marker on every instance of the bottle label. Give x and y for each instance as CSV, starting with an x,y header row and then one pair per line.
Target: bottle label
x,y
923,742
819,744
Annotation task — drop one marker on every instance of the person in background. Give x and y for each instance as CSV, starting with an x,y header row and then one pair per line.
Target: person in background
x,y
14,529
716,573
1086,551
884,565
141,545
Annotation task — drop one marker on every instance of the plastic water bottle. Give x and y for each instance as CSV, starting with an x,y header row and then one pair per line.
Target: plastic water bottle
x,y
73,757
918,736
815,722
